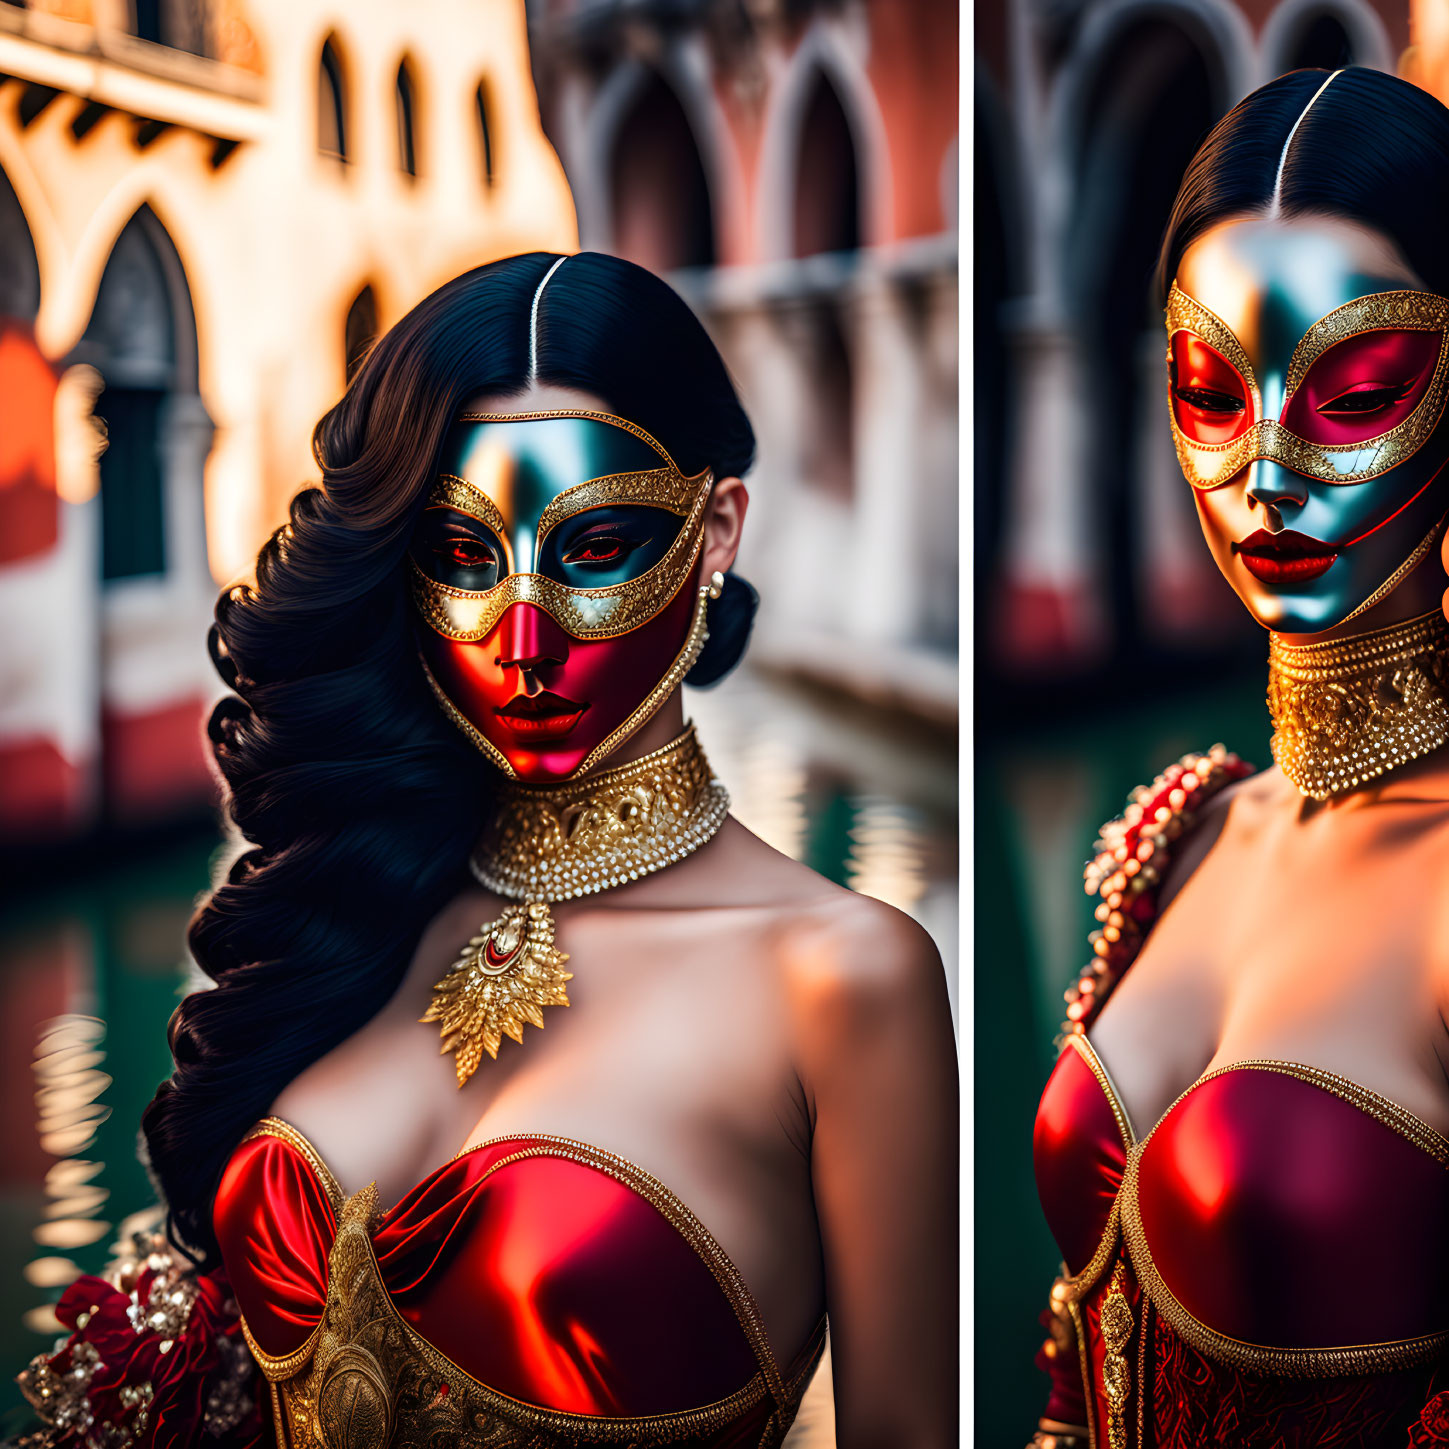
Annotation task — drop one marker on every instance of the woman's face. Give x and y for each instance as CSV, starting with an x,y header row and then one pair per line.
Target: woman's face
x,y
553,569
1307,374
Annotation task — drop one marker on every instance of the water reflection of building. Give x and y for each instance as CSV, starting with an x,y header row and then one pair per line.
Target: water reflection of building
x,y
1087,112
792,169
205,211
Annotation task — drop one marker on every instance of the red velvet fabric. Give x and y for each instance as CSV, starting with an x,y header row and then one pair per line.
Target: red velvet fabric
x,y
1079,1156
545,1278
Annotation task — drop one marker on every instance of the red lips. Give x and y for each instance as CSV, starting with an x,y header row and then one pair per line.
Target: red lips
x,y
541,716
1285,558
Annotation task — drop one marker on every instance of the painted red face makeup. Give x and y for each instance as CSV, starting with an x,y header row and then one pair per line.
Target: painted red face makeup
x,y
555,569
546,700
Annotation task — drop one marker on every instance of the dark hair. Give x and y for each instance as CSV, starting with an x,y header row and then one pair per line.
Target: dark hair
x,y
358,799
1372,149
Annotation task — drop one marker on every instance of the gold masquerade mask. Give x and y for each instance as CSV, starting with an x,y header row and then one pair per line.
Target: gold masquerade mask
x,y
586,613
1209,464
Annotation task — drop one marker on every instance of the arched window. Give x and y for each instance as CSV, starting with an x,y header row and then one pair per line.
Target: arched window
x,y
361,330
165,22
662,213
483,103
19,269
331,103
405,103
1321,42
827,187
829,443
142,338
29,518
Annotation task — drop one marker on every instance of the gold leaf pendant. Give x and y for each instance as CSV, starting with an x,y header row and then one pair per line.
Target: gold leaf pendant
x,y
505,976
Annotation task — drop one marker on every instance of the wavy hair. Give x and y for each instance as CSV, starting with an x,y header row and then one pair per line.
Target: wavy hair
x,y
1371,148
357,799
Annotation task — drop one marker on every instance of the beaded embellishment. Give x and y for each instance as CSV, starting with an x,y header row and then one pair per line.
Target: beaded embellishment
x,y
1131,856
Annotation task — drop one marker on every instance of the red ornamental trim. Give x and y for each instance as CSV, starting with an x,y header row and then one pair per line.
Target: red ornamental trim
x,y
1127,872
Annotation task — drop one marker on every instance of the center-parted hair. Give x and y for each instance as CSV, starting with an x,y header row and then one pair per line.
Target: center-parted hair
x,y
1368,147
357,799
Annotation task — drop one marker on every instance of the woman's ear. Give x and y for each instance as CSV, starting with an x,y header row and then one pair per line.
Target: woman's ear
x,y
724,517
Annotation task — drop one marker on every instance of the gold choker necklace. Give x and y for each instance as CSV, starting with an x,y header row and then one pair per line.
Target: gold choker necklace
x,y
550,843
1348,710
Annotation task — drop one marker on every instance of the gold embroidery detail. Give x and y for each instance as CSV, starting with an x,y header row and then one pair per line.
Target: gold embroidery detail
x,y
1262,1358
412,1362
1207,465
1115,1322
559,842
1346,711
1142,1371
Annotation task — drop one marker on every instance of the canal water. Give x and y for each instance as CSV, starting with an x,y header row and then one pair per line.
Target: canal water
x,y
1042,789
93,961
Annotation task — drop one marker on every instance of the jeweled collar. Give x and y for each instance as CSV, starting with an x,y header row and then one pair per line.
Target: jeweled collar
x,y
557,842
1346,711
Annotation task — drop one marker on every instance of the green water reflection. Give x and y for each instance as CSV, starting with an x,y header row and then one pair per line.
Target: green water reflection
x,y
92,965
1040,796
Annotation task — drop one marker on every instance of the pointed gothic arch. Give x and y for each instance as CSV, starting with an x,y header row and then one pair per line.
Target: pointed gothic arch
x,y
663,215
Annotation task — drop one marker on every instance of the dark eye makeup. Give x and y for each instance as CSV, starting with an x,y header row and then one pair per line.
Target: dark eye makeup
x,y
457,549
605,544
1367,397
1207,400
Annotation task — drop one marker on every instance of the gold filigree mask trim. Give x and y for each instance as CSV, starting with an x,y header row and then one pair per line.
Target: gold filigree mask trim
x,y
468,615
1208,465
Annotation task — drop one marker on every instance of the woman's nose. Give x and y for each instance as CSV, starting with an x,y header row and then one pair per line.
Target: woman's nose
x,y
1275,487
528,638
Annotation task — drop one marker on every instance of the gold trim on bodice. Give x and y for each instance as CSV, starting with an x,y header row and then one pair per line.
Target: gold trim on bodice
x,y
366,1378
1076,1287
1263,1358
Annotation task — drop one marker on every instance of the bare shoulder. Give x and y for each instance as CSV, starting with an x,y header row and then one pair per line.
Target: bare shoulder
x,y
1253,796
833,950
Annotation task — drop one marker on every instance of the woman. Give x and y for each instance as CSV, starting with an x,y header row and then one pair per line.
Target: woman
x,y
1243,1150
457,702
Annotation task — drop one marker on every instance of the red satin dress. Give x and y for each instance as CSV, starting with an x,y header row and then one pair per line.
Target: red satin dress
x,y
1267,1266
539,1290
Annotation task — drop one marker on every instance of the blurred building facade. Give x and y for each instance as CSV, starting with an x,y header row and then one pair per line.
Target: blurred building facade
x,y
1089,554
791,168
207,208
